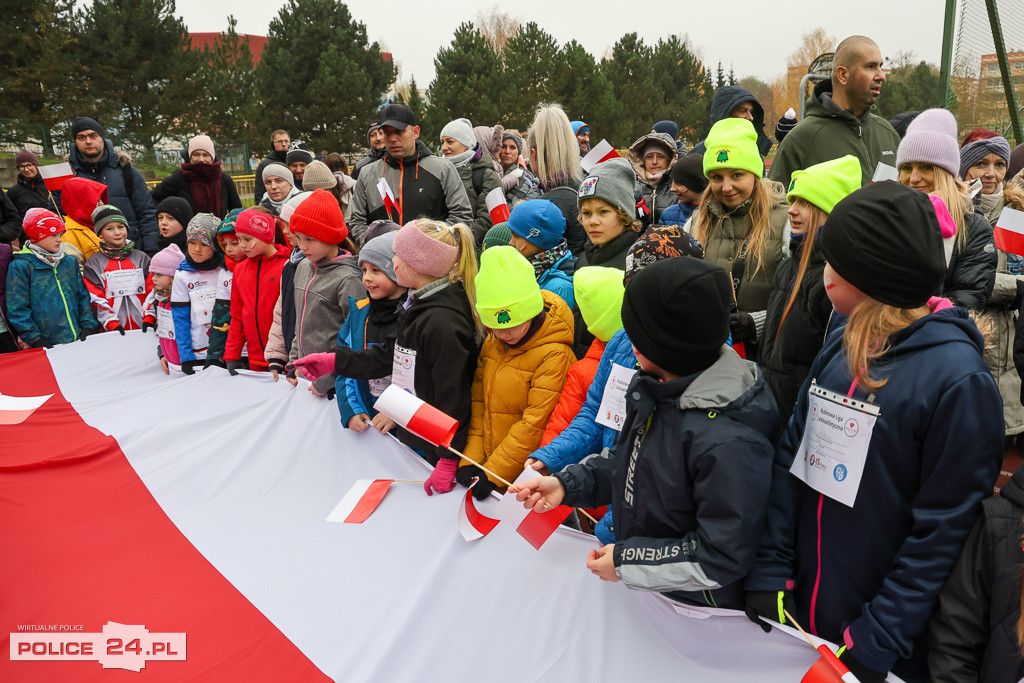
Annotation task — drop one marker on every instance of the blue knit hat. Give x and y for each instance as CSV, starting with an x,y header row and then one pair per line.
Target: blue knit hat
x,y
539,222
579,127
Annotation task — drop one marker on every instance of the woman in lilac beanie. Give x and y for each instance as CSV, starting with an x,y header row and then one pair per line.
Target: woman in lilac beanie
x,y
928,160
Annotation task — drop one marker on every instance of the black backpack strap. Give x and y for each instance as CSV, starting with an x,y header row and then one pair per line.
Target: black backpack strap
x,y
478,179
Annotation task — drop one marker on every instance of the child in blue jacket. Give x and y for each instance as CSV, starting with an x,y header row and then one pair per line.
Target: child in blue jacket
x,y
47,302
371,321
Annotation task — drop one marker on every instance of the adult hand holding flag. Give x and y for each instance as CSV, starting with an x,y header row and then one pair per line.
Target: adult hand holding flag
x,y
602,151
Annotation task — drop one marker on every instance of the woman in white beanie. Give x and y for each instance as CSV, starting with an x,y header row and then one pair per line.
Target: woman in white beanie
x,y
200,181
476,168
928,160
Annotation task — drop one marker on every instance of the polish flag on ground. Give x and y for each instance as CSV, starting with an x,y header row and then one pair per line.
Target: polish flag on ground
x,y
602,151
16,409
419,417
828,669
535,527
390,204
360,501
497,206
1009,231
54,175
473,524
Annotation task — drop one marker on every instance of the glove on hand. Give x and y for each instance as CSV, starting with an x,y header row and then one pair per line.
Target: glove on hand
x,y
442,479
315,365
483,487
234,366
770,605
742,327
863,674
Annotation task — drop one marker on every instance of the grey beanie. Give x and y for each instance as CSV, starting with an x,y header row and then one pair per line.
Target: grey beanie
x,y
280,171
613,181
974,152
461,130
514,138
378,252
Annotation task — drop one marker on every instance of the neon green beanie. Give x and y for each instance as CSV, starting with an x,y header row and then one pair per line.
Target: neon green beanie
x,y
507,293
826,183
599,295
732,143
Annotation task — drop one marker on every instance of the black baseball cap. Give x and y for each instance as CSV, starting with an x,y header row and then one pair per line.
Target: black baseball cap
x,y
398,116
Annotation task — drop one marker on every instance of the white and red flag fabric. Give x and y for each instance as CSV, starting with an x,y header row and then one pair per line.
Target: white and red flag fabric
x,y
417,416
828,669
388,197
210,526
1009,232
536,527
360,501
54,175
473,524
16,409
497,206
602,151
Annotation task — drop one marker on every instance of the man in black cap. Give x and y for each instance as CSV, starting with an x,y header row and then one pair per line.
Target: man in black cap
x,y
375,139
93,157
280,142
421,185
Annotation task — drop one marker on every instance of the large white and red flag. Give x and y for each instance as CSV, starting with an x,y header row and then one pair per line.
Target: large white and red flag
x,y
602,151
54,175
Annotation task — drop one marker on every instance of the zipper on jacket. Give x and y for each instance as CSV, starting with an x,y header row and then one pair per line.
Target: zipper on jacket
x,y
305,297
67,313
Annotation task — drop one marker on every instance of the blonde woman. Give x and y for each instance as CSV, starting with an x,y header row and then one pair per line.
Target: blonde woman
x,y
554,157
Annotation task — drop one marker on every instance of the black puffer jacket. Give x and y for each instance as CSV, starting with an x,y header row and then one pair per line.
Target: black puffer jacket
x,y
688,480
786,355
176,185
30,194
973,632
971,274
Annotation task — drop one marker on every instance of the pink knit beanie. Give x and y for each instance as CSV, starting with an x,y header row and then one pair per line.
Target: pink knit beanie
x,y
931,138
166,261
425,254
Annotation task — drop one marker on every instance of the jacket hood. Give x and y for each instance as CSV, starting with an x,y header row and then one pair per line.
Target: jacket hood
x,y
78,199
636,150
951,325
1013,491
820,104
734,387
338,266
421,151
557,327
110,157
26,254
728,98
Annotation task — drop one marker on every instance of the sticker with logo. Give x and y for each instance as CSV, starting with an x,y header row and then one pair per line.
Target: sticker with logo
x,y
722,157
503,316
534,232
588,188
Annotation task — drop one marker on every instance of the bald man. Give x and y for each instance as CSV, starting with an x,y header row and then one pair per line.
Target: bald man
x,y
838,120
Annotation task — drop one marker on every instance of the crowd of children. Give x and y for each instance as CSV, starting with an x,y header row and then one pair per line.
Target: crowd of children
x,y
680,380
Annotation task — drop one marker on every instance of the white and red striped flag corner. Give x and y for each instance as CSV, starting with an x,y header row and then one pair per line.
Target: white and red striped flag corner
x,y
602,151
16,409
54,175
473,524
1009,232
417,416
390,203
360,501
497,206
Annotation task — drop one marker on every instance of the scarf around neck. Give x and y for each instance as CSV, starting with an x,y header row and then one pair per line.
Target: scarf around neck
x,y
546,259
205,180
48,257
117,253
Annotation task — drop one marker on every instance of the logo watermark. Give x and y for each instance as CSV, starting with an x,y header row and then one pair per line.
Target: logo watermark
x,y
119,646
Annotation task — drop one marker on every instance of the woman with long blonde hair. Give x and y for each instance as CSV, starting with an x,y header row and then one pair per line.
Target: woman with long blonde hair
x,y
740,224
554,157
894,441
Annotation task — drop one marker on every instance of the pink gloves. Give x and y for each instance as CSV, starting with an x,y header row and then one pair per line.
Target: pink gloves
x,y
315,365
442,479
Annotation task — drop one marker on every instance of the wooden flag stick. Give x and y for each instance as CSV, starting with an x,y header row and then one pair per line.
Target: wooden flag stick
x,y
414,481
504,481
799,628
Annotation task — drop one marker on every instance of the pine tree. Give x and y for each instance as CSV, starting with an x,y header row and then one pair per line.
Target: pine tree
x,y
684,86
226,105
319,77
530,56
468,83
584,91
630,73
719,77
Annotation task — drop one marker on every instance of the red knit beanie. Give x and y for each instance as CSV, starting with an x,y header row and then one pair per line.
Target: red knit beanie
x,y
255,224
41,223
320,217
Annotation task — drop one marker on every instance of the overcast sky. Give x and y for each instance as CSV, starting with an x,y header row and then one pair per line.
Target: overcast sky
x,y
754,37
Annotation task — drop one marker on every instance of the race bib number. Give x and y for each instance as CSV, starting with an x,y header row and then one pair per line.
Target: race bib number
x,y
164,323
127,282
202,305
612,412
837,435
403,369
377,386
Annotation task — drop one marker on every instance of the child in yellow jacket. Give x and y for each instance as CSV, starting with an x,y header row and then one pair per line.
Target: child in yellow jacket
x,y
520,371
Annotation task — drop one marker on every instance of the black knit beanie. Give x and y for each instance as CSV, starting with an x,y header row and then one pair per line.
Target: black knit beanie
x,y
689,172
85,123
676,313
177,207
885,240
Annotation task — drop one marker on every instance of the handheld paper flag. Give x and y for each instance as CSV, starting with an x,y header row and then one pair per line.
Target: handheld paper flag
x,y
388,196
472,524
420,418
16,409
360,501
602,151
1009,231
828,669
885,172
535,527
54,175
497,206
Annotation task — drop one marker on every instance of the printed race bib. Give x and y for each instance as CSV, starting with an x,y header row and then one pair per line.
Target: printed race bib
x,y
834,449
164,323
203,300
118,283
612,412
403,369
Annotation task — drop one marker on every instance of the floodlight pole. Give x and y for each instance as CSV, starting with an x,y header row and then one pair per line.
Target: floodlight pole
x,y
945,70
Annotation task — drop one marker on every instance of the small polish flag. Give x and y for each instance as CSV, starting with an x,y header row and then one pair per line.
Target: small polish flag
x,y
497,206
360,501
1009,231
473,524
16,409
535,527
387,195
54,175
885,172
602,151
419,417
828,669
641,208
